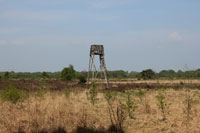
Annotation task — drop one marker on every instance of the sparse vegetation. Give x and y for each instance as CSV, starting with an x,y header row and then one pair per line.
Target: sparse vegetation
x,y
13,94
6,75
190,101
162,103
46,108
92,94
45,75
117,117
130,105
82,79
140,93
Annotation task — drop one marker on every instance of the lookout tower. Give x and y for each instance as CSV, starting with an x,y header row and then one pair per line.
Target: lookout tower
x,y
93,71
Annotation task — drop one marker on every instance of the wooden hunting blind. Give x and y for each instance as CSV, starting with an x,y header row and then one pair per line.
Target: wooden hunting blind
x,y
93,71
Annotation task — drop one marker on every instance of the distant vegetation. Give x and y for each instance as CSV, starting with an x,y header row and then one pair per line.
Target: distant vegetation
x,y
70,73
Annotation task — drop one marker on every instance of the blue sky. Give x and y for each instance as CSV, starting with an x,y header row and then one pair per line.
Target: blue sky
x,y
48,35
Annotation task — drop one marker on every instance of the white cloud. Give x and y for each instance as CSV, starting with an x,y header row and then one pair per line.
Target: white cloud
x,y
175,36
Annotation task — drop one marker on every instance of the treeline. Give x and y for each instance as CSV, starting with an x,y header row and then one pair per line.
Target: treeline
x,y
31,75
69,73
150,74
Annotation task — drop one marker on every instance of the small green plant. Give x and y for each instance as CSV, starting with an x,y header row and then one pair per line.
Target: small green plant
x,y
189,103
130,105
140,93
12,94
161,103
109,96
92,94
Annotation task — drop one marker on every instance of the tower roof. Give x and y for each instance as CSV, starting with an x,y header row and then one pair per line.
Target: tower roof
x,y
97,50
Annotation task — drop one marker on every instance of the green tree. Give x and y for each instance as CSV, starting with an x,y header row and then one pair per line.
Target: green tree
x,y
6,75
68,73
133,74
148,74
45,75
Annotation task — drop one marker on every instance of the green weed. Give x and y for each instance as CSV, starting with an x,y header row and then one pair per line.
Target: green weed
x,y
162,103
92,94
130,105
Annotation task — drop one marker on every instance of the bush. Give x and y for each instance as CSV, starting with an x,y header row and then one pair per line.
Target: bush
x,y
68,73
117,118
13,94
82,79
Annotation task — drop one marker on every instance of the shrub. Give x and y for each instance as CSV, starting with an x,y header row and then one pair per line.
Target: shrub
x,y
130,105
117,118
92,95
109,96
161,103
68,73
82,79
13,94
117,114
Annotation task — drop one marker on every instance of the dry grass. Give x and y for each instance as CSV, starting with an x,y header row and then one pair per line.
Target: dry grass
x,y
54,110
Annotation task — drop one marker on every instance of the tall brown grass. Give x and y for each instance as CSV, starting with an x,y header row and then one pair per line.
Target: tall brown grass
x,y
53,111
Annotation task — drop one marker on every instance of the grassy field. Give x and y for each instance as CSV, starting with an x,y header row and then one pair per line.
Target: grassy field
x,y
78,109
